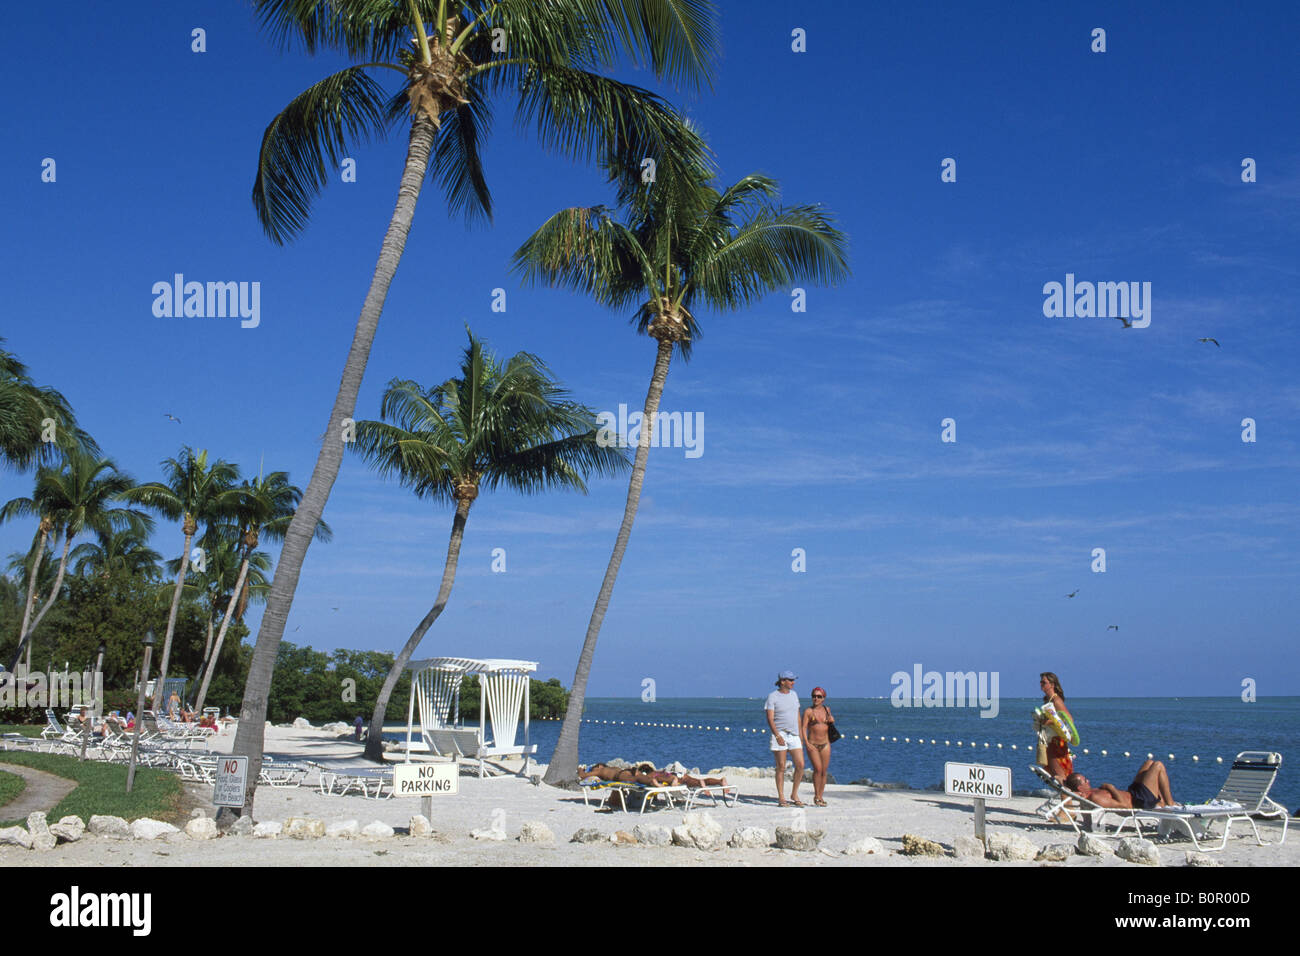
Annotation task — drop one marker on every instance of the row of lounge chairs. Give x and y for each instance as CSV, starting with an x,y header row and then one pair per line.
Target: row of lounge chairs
x,y
1243,798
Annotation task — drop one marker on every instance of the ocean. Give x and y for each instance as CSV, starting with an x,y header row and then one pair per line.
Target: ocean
x,y
1188,733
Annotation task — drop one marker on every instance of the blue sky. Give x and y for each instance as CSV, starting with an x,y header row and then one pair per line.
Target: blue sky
x,y
822,428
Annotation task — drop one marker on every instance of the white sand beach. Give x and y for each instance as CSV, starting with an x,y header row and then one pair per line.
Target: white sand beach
x,y
507,803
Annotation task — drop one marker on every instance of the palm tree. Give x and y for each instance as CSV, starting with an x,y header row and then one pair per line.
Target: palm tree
x,y
552,63
74,498
495,425
194,492
126,550
26,409
684,244
265,508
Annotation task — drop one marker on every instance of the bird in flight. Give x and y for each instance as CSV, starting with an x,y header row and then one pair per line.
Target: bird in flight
x,y
173,418
1073,593
297,629
1112,627
1127,324
1215,341
335,609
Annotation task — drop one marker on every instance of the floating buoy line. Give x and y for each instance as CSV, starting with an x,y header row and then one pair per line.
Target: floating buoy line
x,y
888,738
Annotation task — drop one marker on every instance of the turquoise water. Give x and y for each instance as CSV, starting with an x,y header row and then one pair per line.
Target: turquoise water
x,y
1206,727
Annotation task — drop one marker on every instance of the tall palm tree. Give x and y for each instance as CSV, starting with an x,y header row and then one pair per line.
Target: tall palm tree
x,y
265,508
194,492
25,410
683,245
552,63
498,424
77,497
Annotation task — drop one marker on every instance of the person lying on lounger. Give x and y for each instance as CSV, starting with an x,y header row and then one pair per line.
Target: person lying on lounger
x,y
1149,789
646,775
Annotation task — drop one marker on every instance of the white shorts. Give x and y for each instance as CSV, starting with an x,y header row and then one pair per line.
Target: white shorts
x,y
792,742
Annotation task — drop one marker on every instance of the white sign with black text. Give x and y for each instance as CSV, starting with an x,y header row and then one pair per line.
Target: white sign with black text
x,y
232,778
976,780
425,779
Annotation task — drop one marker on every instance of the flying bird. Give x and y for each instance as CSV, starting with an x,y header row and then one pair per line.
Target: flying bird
x,y
173,418
1215,341
1112,627
1073,593
297,629
1127,323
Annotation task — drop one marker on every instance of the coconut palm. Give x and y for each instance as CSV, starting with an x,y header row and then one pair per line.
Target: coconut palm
x,y
497,425
548,56
126,549
77,497
193,492
684,245
265,508
35,422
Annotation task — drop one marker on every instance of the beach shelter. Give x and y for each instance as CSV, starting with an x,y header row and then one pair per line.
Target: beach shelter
x,y
503,696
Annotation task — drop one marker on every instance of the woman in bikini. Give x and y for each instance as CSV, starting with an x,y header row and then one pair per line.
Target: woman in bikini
x,y
815,735
1059,762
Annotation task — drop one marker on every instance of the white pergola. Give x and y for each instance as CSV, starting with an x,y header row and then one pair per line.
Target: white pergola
x,y
504,694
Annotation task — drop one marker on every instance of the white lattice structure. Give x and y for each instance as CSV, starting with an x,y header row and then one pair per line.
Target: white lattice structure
x,y
503,695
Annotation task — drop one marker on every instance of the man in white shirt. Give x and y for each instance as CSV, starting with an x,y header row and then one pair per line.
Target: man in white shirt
x,y
782,709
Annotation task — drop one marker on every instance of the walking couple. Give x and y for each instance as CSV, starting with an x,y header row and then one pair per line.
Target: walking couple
x,y
791,731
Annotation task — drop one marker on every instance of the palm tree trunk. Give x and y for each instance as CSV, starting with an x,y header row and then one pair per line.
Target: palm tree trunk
x,y
252,715
375,740
221,635
31,595
171,625
564,761
26,638
207,649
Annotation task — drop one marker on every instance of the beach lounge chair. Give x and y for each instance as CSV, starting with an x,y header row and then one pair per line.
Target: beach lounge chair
x,y
1243,797
600,791
650,794
343,780
729,794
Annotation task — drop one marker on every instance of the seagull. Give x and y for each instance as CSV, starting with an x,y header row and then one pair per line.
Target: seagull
x,y
173,418
1112,627
297,629
1215,341
1073,593
335,609
1127,323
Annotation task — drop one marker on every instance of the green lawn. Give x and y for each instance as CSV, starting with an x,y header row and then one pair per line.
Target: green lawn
x,y
10,786
101,788
27,730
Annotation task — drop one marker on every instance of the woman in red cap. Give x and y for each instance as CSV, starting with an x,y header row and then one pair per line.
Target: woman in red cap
x,y
816,720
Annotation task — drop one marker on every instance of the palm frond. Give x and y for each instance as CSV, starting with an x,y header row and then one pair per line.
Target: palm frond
x,y
302,146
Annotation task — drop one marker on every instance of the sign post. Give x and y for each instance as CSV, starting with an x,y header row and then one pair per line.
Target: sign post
x,y
978,781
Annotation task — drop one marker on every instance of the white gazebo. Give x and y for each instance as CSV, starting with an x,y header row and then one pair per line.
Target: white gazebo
x,y
503,696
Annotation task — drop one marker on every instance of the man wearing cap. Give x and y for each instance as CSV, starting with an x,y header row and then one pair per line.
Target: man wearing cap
x,y
783,720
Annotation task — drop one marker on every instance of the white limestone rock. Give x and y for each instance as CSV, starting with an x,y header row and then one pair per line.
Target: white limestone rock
x,y
1090,845
1056,852
788,838
419,826
344,830
968,847
865,845
302,723
304,828
750,838
378,830
1193,858
69,829
584,835
16,836
147,829
698,831
1137,850
1011,846
652,834
268,829
534,831
202,828
112,828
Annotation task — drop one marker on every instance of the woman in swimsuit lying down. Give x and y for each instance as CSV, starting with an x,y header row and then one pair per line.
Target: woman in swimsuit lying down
x,y
815,735
645,773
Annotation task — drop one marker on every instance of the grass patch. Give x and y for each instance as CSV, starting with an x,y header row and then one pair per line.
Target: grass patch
x,y
11,785
101,788
27,730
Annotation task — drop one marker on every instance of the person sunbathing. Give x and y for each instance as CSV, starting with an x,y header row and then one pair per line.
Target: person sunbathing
x,y
645,774
1149,789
